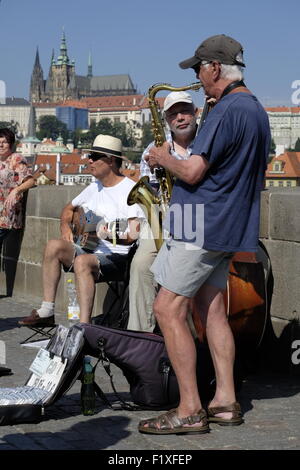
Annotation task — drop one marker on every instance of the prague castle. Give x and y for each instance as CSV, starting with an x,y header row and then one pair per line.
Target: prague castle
x,y
63,83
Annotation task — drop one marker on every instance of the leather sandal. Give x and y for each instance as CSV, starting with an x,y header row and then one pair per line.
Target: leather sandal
x,y
170,423
234,408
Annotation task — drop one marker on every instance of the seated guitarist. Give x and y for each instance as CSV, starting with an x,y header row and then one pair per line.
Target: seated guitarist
x,y
107,198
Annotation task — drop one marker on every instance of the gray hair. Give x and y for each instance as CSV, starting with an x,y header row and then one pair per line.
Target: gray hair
x,y
230,72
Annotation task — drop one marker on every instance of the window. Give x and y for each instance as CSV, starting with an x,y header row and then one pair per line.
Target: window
x,y
277,166
280,184
288,184
271,184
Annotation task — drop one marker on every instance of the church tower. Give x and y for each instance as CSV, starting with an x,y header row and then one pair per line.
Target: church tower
x,y
61,83
37,85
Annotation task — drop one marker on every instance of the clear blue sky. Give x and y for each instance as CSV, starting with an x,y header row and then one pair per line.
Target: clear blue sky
x,y
147,39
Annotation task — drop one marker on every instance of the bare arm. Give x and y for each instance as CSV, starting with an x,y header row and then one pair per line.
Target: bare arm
x,y
190,171
27,184
65,222
15,194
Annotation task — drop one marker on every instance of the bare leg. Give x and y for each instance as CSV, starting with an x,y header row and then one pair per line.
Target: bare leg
x,y
86,267
57,252
221,344
171,313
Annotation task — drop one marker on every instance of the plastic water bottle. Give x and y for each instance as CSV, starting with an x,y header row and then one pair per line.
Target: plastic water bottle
x,y
73,306
88,394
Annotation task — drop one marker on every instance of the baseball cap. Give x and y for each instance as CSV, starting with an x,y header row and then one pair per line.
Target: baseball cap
x,y
222,48
176,97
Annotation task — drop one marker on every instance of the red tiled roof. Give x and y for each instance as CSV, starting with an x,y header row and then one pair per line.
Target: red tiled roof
x,y
290,167
126,103
284,109
113,101
51,174
70,165
73,103
48,142
132,174
45,105
74,157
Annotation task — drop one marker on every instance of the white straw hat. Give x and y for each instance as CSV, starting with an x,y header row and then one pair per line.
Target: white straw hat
x,y
108,145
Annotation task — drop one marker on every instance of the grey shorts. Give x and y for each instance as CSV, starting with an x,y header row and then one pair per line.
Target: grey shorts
x,y
183,269
111,266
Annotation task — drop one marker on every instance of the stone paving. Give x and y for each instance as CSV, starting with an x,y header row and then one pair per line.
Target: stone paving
x,y
270,402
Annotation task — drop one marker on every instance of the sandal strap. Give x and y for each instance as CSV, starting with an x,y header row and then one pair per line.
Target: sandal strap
x,y
170,420
197,418
234,408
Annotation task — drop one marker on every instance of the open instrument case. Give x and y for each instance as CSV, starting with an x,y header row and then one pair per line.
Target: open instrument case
x,y
53,372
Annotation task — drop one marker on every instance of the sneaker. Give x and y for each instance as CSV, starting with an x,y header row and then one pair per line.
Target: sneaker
x,y
35,320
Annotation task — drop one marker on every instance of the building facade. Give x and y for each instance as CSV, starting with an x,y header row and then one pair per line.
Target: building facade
x,y
74,118
285,125
18,111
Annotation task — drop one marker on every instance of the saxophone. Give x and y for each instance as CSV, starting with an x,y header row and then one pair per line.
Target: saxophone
x,y
155,204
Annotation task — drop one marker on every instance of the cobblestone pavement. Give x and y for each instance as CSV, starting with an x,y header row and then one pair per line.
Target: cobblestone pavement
x,y
271,405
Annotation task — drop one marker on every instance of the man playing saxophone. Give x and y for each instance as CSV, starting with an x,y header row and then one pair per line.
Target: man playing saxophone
x,y
218,192
180,115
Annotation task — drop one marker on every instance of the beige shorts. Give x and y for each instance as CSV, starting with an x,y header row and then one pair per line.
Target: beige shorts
x,y
183,269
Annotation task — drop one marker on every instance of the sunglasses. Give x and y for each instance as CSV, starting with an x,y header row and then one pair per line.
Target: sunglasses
x,y
97,156
197,67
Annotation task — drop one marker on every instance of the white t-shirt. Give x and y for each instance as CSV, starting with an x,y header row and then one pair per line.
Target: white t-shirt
x,y
106,204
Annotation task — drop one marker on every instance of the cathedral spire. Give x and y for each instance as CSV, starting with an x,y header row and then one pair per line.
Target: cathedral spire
x,y
63,45
63,56
37,59
90,66
36,91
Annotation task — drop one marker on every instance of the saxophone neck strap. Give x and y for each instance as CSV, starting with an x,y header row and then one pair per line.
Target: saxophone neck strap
x,y
232,86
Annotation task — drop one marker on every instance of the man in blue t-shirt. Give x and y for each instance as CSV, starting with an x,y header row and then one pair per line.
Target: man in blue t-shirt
x,y
214,212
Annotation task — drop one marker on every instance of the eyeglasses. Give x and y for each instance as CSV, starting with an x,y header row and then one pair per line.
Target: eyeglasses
x,y
97,156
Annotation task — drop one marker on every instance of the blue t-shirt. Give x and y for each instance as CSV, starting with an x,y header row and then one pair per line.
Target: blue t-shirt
x,y
222,211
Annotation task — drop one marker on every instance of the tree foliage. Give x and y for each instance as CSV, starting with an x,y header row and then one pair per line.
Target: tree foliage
x,y
51,127
272,146
147,134
12,125
107,127
297,145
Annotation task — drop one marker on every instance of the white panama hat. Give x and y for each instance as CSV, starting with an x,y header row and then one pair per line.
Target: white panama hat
x,y
107,144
